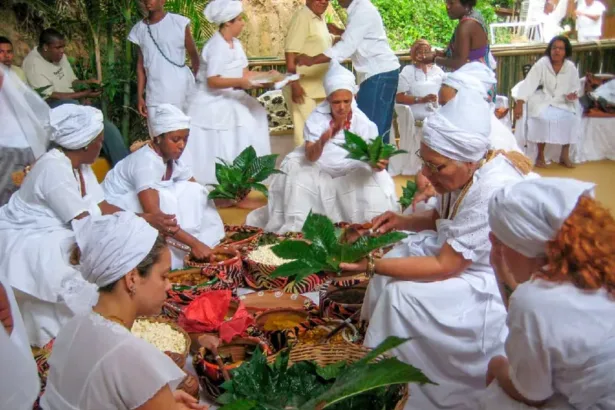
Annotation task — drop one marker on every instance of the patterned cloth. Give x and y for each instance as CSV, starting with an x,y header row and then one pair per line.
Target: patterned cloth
x,y
12,160
41,356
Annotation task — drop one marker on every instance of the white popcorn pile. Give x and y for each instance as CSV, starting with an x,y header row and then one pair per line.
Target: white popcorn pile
x,y
264,255
161,335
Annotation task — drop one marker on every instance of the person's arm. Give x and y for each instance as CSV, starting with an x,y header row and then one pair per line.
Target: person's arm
x,y
528,87
220,82
403,98
297,91
141,81
499,370
192,51
77,95
462,46
313,150
107,209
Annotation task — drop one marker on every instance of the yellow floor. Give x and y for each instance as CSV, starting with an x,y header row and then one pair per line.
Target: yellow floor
x,y
599,172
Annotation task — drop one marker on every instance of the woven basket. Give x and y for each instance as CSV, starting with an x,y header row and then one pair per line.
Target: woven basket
x,y
257,276
210,375
282,338
230,271
230,230
322,327
332,304
326,354
175,327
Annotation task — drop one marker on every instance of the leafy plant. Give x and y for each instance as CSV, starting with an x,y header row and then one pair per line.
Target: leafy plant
x,y
365,384
323,251
407,195
370,152
247,172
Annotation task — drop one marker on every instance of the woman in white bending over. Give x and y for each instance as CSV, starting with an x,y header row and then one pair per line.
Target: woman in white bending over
x,y
97,363
225,119
155,179
318,176
553,250
437,286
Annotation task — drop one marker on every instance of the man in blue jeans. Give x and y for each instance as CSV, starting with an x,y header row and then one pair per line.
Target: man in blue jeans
x,y
377,67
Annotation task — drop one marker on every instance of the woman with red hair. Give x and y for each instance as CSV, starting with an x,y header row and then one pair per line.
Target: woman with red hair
x,y
553,250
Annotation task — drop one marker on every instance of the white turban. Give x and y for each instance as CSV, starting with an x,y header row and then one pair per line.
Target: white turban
x,y
166,118
526,215
75,126
220,11
112,245
461,129
339,78
475,76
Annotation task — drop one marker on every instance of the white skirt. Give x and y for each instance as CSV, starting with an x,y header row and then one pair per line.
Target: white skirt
x,y
188,202
410,136
356,197
554,126
208,143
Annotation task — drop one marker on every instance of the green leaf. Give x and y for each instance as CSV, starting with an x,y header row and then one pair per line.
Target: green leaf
x,y
331,371
367,244
320,231
245,158
239,405
408,193
260,188
373,150
290,249
387,344
298,270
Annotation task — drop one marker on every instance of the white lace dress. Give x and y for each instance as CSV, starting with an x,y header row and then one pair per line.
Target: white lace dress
x,y
457,324
98,364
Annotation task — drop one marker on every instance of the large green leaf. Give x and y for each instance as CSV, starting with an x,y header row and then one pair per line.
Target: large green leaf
x,y
260,168
292,249
239,405
389,343
260,188
245,158
374,149
298,270
320,231
408,193
367,244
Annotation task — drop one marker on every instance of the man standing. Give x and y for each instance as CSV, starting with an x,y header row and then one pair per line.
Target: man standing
x,y
589,20
377,67
6,58
47,66
307,35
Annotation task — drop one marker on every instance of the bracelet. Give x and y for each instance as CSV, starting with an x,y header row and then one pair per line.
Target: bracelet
x,y
371,266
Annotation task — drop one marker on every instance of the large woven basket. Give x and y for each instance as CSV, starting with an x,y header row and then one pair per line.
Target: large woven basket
x,y
174,326
326,354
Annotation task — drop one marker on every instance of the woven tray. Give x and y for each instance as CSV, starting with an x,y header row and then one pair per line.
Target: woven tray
x,y
229,230
175,327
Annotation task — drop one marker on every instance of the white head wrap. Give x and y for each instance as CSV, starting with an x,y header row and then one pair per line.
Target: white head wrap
x,y
75,126
339,78
112,245
476,76
526,215
461,129
220,11
165,118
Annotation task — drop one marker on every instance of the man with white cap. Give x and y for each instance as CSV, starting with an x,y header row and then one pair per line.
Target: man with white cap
x,y
553,251
154,179
97,363
437,285
225,119
317,175
162,40
365,41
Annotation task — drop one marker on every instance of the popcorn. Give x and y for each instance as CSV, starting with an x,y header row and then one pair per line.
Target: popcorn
x,y
161,335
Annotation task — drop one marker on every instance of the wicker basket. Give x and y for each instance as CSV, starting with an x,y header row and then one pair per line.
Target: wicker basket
x,y
322,327
175,327
326,354
210,374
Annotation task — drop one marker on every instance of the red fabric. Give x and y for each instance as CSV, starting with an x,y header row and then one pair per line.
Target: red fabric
x,y
206,314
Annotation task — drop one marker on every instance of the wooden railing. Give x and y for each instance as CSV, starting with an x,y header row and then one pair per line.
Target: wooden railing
x,y
592,56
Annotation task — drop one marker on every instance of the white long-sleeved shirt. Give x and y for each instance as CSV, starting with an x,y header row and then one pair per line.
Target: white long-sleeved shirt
x,y
365,42
555,87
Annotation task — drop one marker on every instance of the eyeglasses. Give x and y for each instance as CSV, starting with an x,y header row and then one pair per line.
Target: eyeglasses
x,y
433,168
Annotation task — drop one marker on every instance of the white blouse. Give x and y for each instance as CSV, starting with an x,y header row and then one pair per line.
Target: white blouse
x,y
414,81
562,340
98,364
555,87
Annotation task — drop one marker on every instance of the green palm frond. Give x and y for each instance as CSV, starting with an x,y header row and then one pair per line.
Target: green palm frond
x,y
202,30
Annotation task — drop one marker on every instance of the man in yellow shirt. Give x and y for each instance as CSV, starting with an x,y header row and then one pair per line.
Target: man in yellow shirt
x,y
307,34
6,58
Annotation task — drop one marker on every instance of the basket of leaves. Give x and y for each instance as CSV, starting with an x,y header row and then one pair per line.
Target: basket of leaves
x,y
262,261
370,152
225,263
407,196
241,236
263,301
237,179
335,376
341,302
323,250
233,354
282,326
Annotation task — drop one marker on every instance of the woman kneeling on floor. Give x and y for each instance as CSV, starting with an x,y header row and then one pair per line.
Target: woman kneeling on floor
x,y
318,176
154,179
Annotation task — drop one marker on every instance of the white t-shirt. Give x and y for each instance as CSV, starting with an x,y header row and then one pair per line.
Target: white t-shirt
x,y
414,81
587,26
98,364
562,340
166,83
41,73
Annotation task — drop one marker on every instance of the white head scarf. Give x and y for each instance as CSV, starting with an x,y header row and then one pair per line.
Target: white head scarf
x,y
30,110
75,126
461,129
220,11
475,76
339,78
112,245
526,215
165,118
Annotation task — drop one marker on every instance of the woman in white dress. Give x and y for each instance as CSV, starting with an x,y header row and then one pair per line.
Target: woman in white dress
x,y
225,119
417,97
437,285
317,175
97,363
553,250
551,90
154,179
162,74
